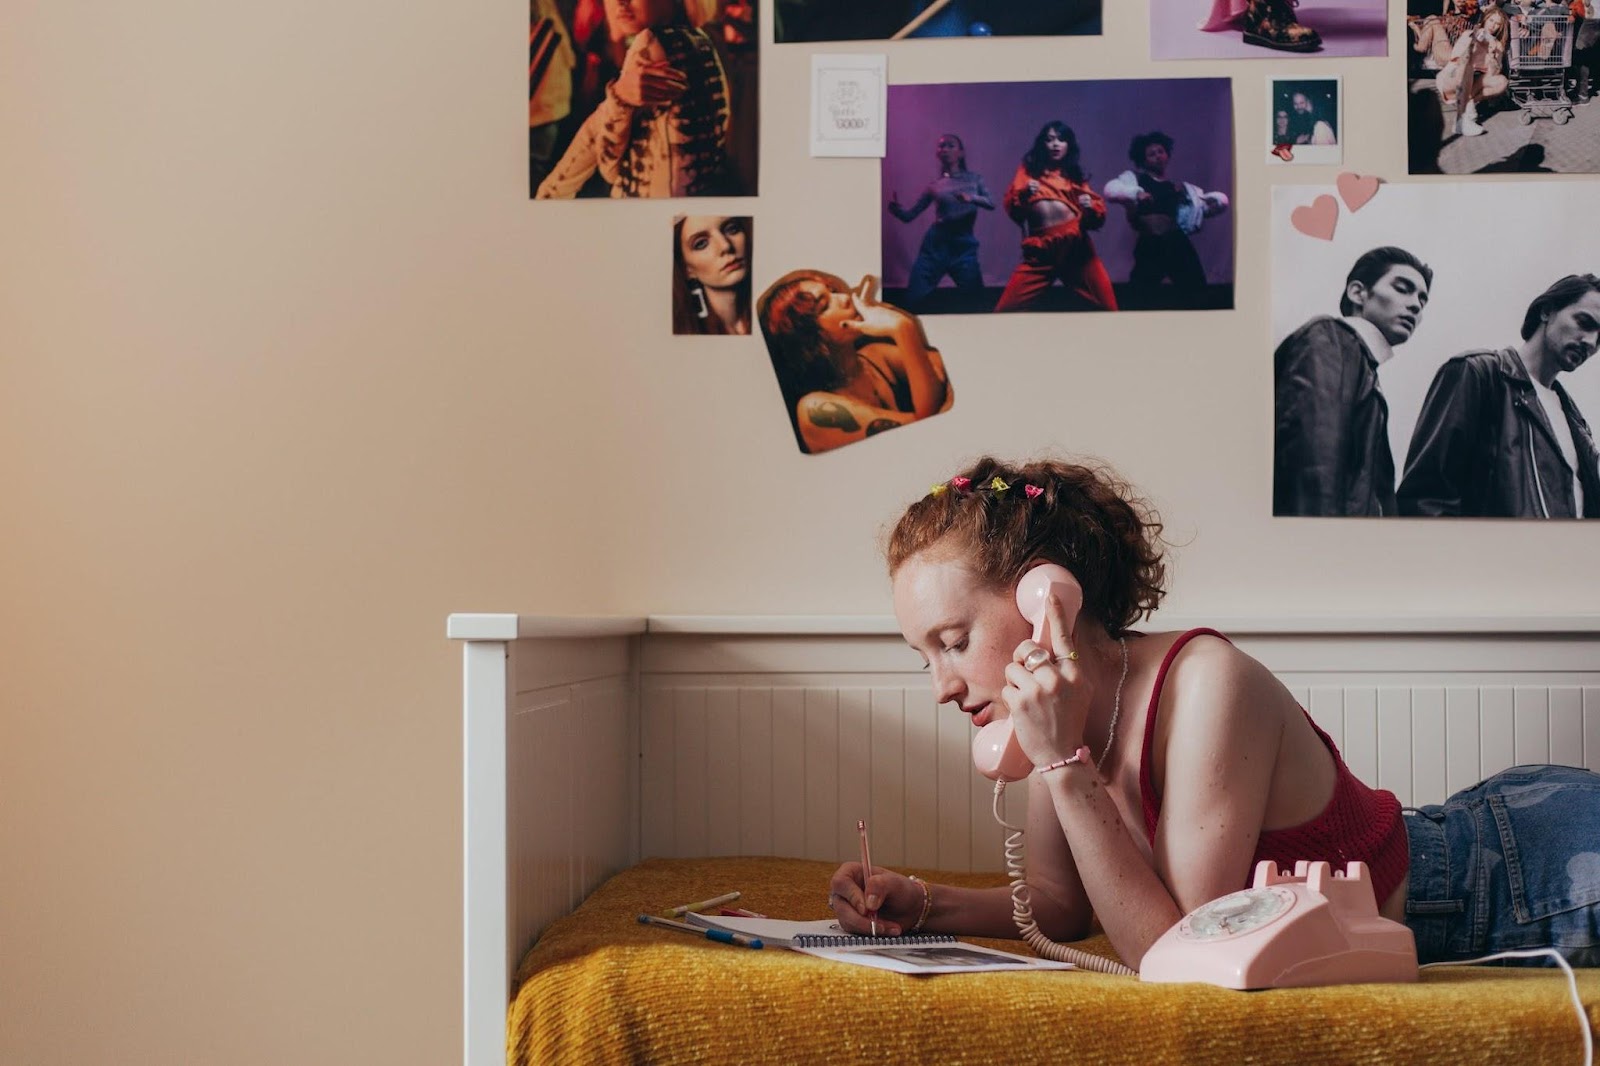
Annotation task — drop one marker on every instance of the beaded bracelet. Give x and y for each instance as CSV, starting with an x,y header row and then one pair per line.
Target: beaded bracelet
x,y
927,904
1081,755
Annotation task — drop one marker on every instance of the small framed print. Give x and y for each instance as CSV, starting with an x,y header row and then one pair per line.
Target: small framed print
x,y
1305,121
849,94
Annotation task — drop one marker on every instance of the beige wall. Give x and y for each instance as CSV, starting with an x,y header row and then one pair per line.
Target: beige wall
x,y
290,368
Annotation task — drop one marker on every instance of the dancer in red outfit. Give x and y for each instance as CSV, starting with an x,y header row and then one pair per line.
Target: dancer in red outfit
x,y
1051,200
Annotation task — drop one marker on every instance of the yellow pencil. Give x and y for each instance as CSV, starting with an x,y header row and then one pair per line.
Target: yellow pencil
x,y
705,904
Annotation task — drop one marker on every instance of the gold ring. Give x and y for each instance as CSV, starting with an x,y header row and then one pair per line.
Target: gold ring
x,y
1035,659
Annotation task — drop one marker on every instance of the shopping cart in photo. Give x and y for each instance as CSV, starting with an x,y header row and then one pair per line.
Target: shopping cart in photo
x,y
1539,54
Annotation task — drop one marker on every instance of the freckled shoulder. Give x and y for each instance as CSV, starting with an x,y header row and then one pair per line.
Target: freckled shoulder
x,y
1214,675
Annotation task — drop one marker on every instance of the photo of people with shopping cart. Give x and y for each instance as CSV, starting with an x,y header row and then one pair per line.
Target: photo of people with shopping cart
x,y
1503,86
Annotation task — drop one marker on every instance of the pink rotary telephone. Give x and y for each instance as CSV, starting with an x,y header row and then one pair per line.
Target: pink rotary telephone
x,y
1316,927
995,751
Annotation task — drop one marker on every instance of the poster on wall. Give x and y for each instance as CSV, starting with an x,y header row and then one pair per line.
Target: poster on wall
x,y
1059,196
849,365
1526,106
799,21
1268,29
642,98
1418,374
711,257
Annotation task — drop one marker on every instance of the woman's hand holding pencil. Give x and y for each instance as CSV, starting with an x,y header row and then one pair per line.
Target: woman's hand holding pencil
x,y
870,900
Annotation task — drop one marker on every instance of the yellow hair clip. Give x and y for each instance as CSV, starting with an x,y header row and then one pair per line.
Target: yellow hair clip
x,y
939,490
998,485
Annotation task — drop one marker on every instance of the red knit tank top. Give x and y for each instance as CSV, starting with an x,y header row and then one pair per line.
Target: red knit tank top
x,y
1358,823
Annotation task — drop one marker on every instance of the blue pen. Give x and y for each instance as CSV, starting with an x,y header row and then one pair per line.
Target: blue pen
x,y
721,936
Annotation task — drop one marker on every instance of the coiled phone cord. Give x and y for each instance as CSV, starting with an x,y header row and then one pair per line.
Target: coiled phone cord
x,y
1022,907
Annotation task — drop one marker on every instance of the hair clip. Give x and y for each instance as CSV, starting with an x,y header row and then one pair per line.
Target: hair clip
x,y
998,485
1033,491
960,483
939,490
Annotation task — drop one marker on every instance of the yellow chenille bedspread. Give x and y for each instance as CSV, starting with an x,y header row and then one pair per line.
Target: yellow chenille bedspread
x,y
601,988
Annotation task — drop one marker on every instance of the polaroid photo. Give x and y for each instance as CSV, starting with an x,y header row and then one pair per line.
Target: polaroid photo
x,y
1305,121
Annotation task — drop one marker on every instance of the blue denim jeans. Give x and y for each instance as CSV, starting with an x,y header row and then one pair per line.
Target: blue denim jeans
x,y
1512,862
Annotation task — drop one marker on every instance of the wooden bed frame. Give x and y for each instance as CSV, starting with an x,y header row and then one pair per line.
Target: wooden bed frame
x,y
590,743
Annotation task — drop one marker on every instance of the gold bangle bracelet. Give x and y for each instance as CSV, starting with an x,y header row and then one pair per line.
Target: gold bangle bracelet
x,y
927,905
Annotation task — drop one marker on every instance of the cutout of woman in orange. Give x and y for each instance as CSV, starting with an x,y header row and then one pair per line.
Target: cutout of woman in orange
x,y
1051,199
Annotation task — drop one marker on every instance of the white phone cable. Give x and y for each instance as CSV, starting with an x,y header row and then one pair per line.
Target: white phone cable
x,y
1022,907
1572,985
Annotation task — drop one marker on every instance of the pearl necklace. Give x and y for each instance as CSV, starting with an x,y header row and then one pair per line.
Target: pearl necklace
x,y
1116,707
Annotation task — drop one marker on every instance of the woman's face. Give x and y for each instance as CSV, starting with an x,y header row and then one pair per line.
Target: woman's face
x,y
1281,123
714,250
964,630
628,17
834,309
1055,146
949,152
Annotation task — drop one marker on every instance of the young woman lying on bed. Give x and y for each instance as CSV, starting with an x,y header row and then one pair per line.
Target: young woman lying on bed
x,y
1200,762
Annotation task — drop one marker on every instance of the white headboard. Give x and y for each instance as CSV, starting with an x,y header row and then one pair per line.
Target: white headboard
x,y
592,742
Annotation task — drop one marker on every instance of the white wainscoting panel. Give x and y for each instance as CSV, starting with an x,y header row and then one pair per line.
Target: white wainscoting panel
x,y
787,769
1427,741
570,753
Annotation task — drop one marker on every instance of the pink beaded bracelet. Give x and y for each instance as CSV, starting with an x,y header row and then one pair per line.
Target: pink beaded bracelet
x,y
1081,755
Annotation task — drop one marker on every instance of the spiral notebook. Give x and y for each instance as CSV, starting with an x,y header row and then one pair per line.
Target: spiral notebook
x,y
823,933
925,953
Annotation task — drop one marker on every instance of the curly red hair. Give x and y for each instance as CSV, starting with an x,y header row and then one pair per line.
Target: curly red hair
x,y
1086,518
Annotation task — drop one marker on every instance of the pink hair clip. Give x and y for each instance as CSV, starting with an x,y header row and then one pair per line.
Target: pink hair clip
x,y
1033,491
960,484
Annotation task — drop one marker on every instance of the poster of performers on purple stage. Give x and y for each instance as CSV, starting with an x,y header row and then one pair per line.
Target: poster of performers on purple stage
x,y
893,20
1108,195
642,98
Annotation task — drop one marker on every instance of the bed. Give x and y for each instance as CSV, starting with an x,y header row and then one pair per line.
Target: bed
x,y
613,765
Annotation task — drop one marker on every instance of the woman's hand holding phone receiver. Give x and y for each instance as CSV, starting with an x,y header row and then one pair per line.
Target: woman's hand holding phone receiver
x,y
898,899
1049,705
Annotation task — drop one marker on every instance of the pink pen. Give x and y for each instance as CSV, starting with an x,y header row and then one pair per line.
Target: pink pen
x,y
866,860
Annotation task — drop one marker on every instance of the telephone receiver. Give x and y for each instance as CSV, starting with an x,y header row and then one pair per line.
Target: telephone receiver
x,y
995,751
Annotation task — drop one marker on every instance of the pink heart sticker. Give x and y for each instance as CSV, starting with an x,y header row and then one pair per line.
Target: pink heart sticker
x,y
1317,219
1355,190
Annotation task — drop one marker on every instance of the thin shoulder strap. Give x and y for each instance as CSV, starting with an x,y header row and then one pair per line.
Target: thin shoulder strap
x,y
1147,788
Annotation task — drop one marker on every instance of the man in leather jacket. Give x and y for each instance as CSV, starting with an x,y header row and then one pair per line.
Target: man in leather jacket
x,y
1331,428
1498,436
